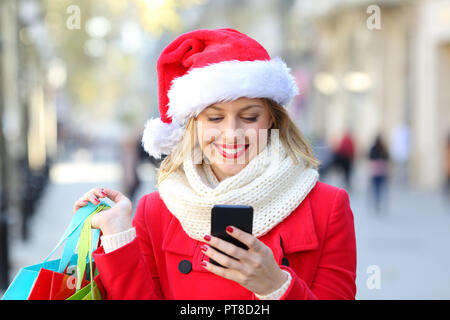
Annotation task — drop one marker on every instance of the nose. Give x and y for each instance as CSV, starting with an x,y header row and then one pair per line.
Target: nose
x,y
232,133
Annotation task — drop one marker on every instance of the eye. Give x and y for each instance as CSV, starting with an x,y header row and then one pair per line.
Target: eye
x,y
246,119
214,119
250,119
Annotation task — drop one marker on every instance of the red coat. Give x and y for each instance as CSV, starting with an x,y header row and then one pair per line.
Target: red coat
x,y
317,241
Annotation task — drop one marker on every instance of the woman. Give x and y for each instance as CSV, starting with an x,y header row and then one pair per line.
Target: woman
x,y
228,140
379,171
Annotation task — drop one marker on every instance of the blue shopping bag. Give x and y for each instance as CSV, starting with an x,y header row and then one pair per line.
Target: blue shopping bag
x,y
20,287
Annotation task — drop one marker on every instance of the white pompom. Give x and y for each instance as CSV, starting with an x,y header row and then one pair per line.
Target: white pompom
x,y
160,137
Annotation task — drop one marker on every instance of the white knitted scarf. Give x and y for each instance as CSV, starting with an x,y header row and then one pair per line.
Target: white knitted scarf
x,y
271,183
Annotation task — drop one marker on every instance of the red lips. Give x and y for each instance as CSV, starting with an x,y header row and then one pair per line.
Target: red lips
x,y
233,155
232,146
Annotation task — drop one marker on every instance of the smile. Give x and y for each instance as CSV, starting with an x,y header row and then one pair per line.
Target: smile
x,y
227,151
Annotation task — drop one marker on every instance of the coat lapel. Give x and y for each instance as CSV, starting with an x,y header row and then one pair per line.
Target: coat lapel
x,y
298,232
177,241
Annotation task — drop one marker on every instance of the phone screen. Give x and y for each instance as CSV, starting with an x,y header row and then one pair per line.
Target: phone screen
x,y
240,216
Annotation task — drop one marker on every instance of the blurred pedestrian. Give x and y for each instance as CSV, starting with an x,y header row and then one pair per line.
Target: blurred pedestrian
x,y
344,156
130,160
379,171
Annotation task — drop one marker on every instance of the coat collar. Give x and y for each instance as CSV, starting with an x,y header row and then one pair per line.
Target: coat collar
x,y
297,232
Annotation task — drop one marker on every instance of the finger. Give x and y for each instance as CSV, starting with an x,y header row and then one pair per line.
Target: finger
x,y
91,198
79,204
246,238
98,192
230,274
221,258
228,248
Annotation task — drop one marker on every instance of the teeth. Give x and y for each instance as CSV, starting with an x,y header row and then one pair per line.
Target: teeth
x,y
232,151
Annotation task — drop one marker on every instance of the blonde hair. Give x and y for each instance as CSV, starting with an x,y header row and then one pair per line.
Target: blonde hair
x,y
290,136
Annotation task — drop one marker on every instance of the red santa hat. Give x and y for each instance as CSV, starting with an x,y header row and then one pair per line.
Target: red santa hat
x,y
203,67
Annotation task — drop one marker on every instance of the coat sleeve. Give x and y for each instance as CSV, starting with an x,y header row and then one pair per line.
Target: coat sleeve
x,y
130,272
336,273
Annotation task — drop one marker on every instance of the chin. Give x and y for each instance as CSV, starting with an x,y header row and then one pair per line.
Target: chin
x,y
230,169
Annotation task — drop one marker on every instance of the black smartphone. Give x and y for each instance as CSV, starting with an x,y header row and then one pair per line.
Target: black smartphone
x,y
223,215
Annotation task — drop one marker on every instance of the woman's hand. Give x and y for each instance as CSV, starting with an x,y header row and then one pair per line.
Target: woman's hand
x,y
110,221
254,269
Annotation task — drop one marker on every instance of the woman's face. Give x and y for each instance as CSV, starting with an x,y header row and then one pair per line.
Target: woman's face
x,y
232,133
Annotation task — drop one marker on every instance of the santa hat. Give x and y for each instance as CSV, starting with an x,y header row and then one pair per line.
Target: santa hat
x,y
203,67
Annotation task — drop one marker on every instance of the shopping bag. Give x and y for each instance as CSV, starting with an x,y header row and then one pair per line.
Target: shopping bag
x,y
23,282
52,285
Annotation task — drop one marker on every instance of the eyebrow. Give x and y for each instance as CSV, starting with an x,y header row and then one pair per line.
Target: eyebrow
x,y
245,108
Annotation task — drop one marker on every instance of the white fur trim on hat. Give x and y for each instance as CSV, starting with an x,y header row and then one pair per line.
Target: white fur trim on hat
x,y
230,80
160,137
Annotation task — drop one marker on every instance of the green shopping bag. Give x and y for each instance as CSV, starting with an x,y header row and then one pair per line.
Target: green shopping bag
x,y
89,292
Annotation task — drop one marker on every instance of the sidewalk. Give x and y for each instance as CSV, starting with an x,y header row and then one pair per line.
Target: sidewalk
x,y
408,244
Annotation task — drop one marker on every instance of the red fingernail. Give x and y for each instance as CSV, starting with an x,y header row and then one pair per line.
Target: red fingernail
x,y
103,193
204,248
204,263
207,237
229,229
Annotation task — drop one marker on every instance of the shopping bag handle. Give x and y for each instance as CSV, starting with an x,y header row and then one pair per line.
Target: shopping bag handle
x,y
73,238
73,231
85,251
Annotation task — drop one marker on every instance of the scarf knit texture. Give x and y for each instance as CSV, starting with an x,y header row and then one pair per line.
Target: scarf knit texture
x,y
271,183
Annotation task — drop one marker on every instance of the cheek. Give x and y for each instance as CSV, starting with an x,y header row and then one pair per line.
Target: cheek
x,y
257,132
206,134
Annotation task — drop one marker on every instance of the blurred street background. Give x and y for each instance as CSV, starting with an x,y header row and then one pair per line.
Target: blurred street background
x,y
78,82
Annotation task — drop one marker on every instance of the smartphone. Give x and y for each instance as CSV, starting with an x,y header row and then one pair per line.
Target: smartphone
x,y
222,215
